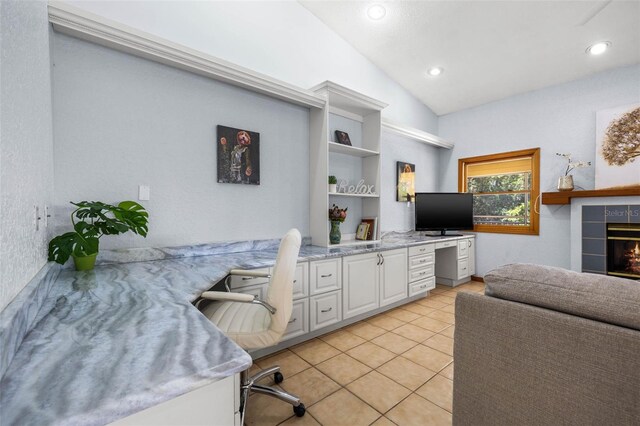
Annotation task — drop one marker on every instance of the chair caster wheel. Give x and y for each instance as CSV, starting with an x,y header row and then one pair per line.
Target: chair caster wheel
x,y
278,377
299,410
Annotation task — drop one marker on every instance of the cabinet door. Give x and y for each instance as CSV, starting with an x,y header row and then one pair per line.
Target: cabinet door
x,y
299,322
472,256
360,283
301,281
393,276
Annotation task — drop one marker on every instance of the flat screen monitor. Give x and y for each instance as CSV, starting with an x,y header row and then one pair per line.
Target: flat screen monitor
x,y
442,211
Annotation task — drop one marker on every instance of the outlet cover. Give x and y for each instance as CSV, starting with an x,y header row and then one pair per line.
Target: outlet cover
x,y
144,192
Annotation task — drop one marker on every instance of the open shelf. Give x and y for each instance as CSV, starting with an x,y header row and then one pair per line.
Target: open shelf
x,y
564,197
351,150
342,194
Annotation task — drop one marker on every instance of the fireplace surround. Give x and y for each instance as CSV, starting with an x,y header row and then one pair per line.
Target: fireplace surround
x,y
608,233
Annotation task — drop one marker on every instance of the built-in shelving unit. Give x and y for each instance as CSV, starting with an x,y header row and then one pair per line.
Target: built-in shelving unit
x,y
564,197
361,115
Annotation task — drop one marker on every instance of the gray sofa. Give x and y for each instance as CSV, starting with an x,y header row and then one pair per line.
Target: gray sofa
x,y
547,346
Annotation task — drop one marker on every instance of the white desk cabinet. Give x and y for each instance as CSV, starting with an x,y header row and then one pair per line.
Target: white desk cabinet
x,y
216,404
455,263
393,276
361,281
372,280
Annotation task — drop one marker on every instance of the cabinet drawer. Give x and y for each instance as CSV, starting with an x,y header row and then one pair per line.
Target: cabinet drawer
x,y
463,268
238,281
423,249
422,273
416,262
325,309
259,290
301,281
445,244
422,286
299,322
463,248
324,275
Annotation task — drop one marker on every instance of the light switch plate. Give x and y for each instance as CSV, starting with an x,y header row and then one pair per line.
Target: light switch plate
x,y
144,192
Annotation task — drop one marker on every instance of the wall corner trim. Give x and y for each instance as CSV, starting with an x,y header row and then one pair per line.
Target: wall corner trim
x,y
78,23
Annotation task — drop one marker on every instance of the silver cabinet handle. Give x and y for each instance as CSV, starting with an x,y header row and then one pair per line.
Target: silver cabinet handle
x,y
326,310
248,278
422,249
423,286
382,257
423,260
326,276
295,281
293,320
378,254
469,241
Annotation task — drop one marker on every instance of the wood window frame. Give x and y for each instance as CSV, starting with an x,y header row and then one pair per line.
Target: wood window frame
x,y
534,154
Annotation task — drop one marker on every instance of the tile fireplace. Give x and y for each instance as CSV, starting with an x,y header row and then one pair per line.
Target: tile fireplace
x,y
610,235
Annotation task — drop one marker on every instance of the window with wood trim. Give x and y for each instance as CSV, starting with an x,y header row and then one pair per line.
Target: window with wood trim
x,y
505,190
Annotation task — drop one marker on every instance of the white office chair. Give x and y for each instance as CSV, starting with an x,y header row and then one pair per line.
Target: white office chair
x,y
255,324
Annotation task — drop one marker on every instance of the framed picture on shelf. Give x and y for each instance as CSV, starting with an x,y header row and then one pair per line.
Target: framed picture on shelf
x,y
372,232
363,229
343,138
406,182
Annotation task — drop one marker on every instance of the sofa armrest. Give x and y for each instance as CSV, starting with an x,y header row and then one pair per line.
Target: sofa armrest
x,y
526,365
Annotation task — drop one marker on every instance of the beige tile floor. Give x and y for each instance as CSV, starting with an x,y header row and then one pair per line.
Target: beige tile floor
x,y
394,368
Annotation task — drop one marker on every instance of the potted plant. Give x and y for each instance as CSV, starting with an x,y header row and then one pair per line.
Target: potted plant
x,y
565,183
336,216
332,184
91,220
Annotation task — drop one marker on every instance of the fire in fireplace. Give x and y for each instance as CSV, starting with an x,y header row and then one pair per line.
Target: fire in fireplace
x,y
623,250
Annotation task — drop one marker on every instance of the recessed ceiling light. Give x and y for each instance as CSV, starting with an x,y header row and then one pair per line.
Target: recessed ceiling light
x,y
598,48
376,12
435,71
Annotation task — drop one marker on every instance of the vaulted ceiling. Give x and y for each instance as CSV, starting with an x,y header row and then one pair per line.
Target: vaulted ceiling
x,y
488,50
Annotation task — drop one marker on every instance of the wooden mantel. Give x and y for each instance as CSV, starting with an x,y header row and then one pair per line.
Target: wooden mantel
x,y
564,197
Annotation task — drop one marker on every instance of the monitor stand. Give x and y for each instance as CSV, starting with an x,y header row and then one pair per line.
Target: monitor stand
x,y
443,233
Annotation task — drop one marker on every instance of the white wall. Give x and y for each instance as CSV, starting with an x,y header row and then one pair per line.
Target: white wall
x,y
556,119
397,216
278,38
26,162
122,121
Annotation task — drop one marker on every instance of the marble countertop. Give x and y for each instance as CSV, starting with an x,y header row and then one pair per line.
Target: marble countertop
x,y
125,336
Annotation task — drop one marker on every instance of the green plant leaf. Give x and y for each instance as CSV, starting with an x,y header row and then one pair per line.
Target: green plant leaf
x,y
96,219
76,243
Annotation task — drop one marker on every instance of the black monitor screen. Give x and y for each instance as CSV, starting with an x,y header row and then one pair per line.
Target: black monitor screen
x,y
443,210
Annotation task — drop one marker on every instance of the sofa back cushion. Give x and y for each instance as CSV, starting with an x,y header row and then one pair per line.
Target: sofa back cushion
x,y
598,297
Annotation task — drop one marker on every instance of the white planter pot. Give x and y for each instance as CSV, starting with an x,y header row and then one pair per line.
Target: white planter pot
x,y
333,188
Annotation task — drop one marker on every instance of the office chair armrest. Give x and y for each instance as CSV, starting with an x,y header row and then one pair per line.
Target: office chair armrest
x,y
249,273
237,297
231,297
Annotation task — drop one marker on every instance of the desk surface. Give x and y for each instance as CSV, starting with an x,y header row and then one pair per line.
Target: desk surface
x,y
125,337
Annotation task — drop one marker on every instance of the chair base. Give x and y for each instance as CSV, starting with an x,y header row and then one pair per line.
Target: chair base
x,y
249,384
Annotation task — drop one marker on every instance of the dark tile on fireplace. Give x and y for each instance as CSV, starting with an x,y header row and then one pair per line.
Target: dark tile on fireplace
x,y
634,213
593,246
617,214
593,230
594,263
593,213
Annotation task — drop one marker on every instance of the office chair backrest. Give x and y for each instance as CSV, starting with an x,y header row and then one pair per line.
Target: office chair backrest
x,y
280,293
